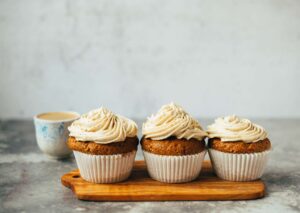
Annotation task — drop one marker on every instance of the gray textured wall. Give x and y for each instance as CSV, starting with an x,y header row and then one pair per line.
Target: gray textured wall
x,y
212,57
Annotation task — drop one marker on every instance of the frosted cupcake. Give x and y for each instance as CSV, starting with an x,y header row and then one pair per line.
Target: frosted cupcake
x,y
104,145
238,148
173,145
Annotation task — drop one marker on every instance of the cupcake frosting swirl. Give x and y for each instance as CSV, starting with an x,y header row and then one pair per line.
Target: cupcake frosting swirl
x,y
102,126
172,120
232,128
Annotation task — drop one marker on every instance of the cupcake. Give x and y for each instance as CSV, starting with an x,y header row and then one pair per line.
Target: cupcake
x,y
104,145
173,145
238,148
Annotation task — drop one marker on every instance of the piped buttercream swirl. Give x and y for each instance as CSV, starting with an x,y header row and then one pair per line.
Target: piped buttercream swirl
x,y
232,128
172,120
102,126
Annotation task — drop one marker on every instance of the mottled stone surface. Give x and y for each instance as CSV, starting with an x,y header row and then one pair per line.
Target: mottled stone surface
x,y
30,181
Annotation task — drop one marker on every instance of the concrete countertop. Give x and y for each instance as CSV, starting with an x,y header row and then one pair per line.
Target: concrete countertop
x,y
30,181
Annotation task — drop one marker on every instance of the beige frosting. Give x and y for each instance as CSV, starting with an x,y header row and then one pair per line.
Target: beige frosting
x,y
232,128
172,120
102,126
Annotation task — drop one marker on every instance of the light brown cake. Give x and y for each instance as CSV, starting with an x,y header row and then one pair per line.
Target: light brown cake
x,y
239,146
90,147
173,146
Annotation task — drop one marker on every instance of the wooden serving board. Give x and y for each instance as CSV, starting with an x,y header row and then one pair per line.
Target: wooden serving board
x,y
140,187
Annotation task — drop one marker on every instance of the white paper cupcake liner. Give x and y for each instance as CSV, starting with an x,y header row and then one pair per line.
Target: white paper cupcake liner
x,y
105,168
238,167
174,169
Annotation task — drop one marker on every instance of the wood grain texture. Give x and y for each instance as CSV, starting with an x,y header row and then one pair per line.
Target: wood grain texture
x,y
140,187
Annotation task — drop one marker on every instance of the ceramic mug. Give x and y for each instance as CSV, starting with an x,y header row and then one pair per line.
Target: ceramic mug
x,y
52,134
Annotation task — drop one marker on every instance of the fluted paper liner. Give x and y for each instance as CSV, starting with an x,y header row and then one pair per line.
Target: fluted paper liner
x,y
104,168
174,169
238,167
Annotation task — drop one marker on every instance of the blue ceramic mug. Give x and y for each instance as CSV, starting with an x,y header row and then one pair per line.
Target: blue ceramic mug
x,y
51,130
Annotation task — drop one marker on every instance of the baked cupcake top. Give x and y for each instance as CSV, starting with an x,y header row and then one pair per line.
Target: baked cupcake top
x,y
232,128
172,120
102,126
